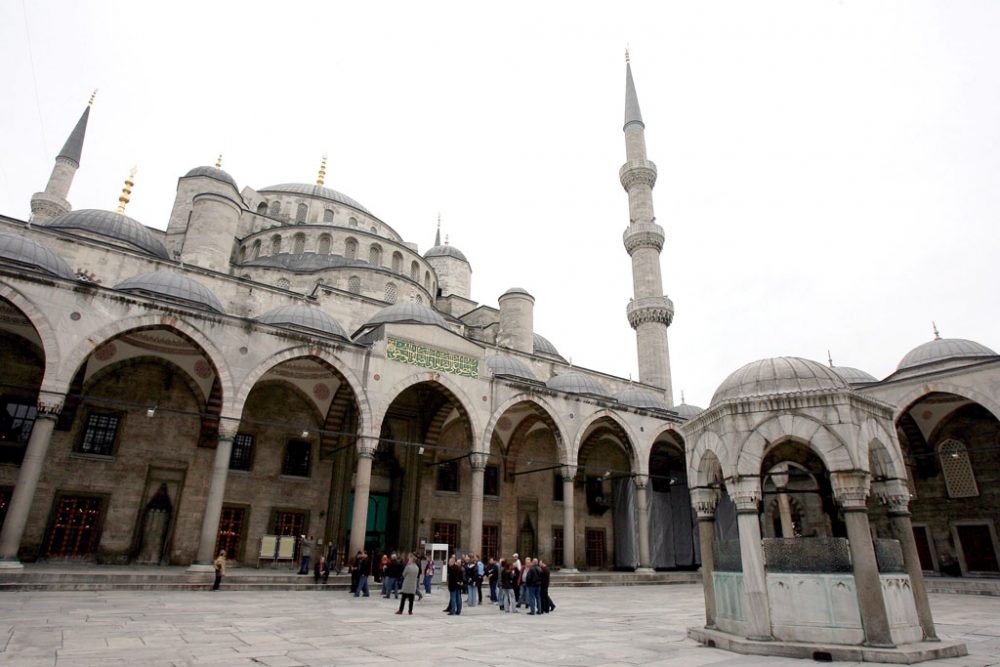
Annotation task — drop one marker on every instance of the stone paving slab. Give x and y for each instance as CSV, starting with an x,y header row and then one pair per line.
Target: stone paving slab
x,y
591,627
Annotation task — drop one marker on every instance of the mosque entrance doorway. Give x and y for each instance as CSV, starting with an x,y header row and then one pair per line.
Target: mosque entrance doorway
x,y
375,529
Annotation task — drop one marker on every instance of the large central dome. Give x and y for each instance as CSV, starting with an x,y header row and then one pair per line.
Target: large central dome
x,y
318,191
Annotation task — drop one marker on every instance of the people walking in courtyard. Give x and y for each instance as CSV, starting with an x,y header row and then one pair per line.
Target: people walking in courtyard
x,y
456,585
508,580
493,572
408,587
546,575
470,579
220,569
428,576
364,569
532,583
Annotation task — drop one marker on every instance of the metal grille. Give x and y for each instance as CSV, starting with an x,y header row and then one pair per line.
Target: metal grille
x,y
557,546
75,528
230,531
297,455
446,533
99,434
957,469
491,542
241,457
595,547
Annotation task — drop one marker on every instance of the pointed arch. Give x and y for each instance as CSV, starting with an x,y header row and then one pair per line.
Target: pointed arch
x,y
881,449
835,454
907,401
706,459
562,439
461,397
50,342
631,450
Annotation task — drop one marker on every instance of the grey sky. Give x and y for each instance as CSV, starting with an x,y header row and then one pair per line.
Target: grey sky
x,y
828,171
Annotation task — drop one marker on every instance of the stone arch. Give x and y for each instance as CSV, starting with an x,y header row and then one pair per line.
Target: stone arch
x,y
881,450
116,367
631,449
907,401
562,441
291,388
364,408
824,442
461,397
706,459
50,342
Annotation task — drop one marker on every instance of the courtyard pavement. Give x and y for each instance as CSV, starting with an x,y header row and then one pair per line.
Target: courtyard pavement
x,y
596,627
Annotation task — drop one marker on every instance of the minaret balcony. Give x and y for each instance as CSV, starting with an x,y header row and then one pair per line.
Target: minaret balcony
x,y
657,309
637,171
643,235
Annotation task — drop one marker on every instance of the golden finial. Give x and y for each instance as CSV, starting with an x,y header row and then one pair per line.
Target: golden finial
x,y
126,191
322,172
446,239
626,54
92,96
218,162
937,334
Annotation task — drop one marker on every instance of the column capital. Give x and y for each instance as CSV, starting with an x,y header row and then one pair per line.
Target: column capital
x,y
746,494
50,404
704,501
640,481
568,472
228,428
478,461
366,447
851,488
895,494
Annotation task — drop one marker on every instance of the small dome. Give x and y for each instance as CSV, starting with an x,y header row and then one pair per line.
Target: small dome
x,y
445,251
304,262
301,316
213,172
318,191
944,349
407,313
502,364
542,346
780,375
25,251
113,226
686,411
853,375
174,286
641,398
517,291
577,383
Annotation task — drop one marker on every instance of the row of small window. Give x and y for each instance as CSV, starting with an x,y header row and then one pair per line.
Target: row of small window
x,y
296,460
448,473
302,213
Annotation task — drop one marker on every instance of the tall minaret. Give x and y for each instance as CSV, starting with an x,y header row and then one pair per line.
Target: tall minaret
x,y
650,312
53,201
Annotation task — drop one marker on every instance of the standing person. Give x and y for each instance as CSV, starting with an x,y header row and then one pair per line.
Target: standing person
x,y
507,584
493,572
306,545
408,588
220,569
470,579
320,571
383,565
355,572
480,575
547,604
331,559
428,576
364,569
456,586
531,581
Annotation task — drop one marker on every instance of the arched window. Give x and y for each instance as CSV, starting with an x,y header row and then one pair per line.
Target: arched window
x,y
275,244
262,208
958,474
418,299
301,212
354,285
415,272
297,455
275,208
397,262
299,244
351,248
327,215
255,251
390,293
374,230
353,222
427,280
324,245
375,255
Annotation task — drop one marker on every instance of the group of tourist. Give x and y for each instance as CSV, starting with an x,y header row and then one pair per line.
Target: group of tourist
x,y
513,584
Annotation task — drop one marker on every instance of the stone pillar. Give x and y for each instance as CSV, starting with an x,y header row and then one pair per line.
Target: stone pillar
x,y
49,406
477,461
569,519
216,494
746,494
896,495
704,502
785,512
642,502
362,489
851,492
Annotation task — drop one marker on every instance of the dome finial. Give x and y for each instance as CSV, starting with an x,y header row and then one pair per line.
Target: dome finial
x,y
446,239
829,358
682,396
126,191
92,96
437,236
322,172
937,334
218,162
626,53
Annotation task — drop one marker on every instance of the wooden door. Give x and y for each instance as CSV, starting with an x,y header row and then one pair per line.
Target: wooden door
x,y
75,527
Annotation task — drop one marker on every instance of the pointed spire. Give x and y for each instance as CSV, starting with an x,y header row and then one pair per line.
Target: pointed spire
x,y
73,147
446,239
218,162
829,358
937,334
632,113
321,178
126,191
682,391
437,237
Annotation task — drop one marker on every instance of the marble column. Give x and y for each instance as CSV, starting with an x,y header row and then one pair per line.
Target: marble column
x,y
569,519
851,492
704,502
216,495
362,489
642,502
746,494
49,406
785,512
477,461
896,495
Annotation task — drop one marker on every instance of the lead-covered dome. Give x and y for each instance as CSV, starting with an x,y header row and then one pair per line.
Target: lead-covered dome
x,y
26,252
577,383
642,398
542,346
686,411
944,349
308,318
853,375
174,287
780,375
446,251
318,191
502,364
213,172
406,313
111,225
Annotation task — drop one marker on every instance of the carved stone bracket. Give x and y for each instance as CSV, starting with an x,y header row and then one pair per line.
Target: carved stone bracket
x,y
658,309
704,501
746,494
851,489
637,171
643,235
894,494
49,405
478,461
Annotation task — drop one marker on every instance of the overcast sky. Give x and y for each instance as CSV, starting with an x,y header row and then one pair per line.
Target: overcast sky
x,y
829,172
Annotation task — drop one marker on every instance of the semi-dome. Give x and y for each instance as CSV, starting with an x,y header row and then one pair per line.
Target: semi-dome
x,y
576,383
641,398
312,190
213,172
304,262
502,364
853,375
780,375
541,345
406,313
28,253
686,411
173,286
944,349
301,316
111,225
446,251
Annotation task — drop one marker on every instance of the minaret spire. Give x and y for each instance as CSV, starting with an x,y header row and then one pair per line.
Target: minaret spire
x,y
321,178
126,194
53,200
649,312
437,236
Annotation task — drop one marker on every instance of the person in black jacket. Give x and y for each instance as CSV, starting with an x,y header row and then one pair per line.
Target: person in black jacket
x,y
456,585
364,569
547,604
493,572
508,582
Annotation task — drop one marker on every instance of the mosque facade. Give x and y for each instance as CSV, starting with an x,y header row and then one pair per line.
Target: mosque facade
x,y
279,361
